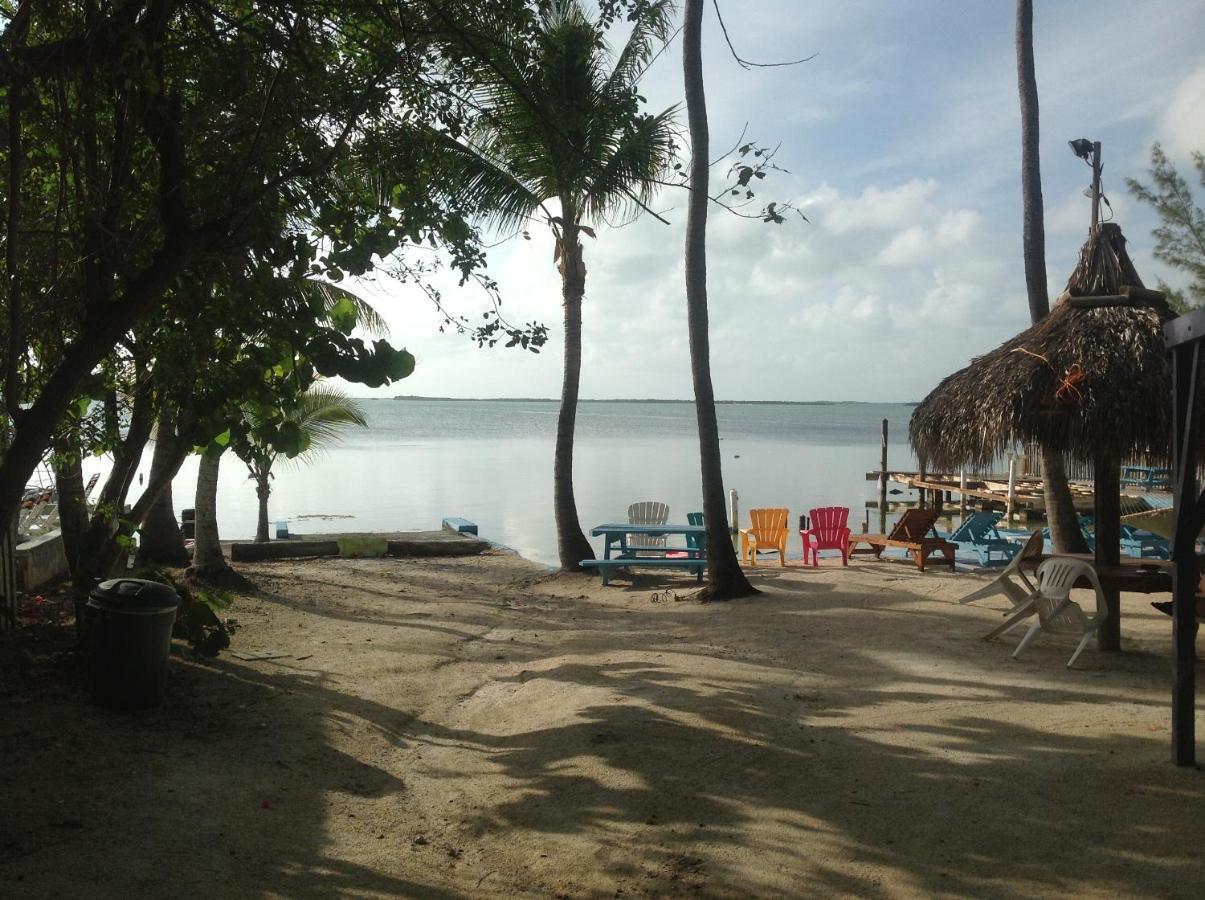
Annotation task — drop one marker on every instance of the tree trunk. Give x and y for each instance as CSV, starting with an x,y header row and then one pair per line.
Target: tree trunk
x,y
1061,516
160,539
725,578
69,488
1060,509
207,558
263,490
73,516
572,546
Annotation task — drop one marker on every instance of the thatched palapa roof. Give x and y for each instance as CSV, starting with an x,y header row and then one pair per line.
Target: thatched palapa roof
x,y
1091,379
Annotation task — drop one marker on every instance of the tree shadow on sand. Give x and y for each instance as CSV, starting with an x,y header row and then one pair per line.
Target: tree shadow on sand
x,y
719,763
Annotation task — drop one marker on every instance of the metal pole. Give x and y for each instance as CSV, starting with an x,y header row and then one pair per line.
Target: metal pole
x,y
734,517
1095,185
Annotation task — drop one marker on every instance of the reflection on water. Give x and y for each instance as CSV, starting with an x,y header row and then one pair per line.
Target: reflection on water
x,y
491,462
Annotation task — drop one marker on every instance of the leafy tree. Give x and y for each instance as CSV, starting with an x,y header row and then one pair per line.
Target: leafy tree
x,y
1180,238
1060,508
156,146
316,419
561,121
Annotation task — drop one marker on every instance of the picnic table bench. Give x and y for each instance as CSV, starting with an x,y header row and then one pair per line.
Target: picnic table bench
x,y
1147,477
617,554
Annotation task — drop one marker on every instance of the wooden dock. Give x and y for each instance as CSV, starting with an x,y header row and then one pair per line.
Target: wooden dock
x,y
992,492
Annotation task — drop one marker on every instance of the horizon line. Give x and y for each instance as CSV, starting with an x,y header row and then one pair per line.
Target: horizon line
x,y
641,400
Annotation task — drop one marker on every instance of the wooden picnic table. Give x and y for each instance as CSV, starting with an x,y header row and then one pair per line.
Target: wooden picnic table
x,y
618,554
1140,576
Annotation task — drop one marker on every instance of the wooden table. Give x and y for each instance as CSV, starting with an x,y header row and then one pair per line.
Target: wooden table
x,y
1140,576
617,554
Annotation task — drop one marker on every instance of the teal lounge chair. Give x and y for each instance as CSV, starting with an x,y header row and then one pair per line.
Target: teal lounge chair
x,y
1134,541
978,534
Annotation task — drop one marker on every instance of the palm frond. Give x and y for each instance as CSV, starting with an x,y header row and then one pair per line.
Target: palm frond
x,y
322,414
630,174
559,118
478,178
329,294
653,29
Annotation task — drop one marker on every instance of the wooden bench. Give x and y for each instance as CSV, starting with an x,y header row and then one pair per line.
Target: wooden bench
x,y
606,566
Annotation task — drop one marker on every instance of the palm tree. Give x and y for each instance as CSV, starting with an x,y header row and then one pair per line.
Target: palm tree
x,y
560,121
320,414
208,561
1060,509
726,580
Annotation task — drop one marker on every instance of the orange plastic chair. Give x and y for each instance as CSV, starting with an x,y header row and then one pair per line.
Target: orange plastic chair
x,y
767,533
829,531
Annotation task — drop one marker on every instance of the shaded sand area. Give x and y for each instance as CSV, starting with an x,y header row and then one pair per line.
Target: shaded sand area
x,y
477,728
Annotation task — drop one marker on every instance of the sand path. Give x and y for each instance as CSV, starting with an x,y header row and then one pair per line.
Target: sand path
x,y
477,728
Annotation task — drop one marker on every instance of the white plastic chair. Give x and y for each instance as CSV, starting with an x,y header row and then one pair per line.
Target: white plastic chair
x,y
647,512
1055,609
1017,591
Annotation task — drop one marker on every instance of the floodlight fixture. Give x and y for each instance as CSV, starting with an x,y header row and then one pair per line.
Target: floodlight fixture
x,y
1082,147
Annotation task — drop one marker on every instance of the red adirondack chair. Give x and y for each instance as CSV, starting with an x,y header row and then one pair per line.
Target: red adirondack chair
x,y
829,531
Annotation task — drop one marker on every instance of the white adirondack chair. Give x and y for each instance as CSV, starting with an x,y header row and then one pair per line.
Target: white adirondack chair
x,y
1056,611
1018,591
647,512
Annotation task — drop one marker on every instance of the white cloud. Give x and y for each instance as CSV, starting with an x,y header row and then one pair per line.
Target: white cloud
x,y
879,209
1183,122
903,137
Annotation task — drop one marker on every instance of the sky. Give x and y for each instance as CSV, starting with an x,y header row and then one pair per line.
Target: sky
x,y
902,143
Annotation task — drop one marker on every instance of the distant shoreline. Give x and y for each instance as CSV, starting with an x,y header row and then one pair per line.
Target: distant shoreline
x,y
652,400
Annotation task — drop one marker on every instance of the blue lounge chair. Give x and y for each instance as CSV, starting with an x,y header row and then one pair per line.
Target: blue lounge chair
x,y
978,534
1134,541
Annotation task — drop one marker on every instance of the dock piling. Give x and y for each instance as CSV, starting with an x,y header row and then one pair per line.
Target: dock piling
x,y
883,483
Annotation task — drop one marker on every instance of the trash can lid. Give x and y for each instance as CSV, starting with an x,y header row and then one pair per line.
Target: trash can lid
x,y
135,593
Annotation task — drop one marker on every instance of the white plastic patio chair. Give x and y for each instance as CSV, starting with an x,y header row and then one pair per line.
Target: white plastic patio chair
x,y
1056,611
1016,591
647,512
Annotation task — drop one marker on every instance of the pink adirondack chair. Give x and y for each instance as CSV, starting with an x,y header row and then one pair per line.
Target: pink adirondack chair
x,y
829,531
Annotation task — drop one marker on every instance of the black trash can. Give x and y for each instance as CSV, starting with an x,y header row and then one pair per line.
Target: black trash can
x,y
188,523
130,632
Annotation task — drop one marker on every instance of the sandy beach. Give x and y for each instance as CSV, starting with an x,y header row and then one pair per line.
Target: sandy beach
x,y
478,727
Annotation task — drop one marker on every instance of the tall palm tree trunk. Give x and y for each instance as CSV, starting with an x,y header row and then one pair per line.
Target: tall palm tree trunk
x,y
1060,509
160,539
207,558
263,490
725,578
572,546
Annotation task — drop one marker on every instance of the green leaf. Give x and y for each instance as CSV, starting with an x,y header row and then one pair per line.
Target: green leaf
x,y
342,314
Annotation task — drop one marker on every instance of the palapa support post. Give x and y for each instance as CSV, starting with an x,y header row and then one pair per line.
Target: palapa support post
x,y
883,482
735,527
962,496
1108,544
1183,337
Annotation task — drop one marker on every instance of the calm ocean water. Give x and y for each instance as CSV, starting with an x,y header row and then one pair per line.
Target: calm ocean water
x,y
491,461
